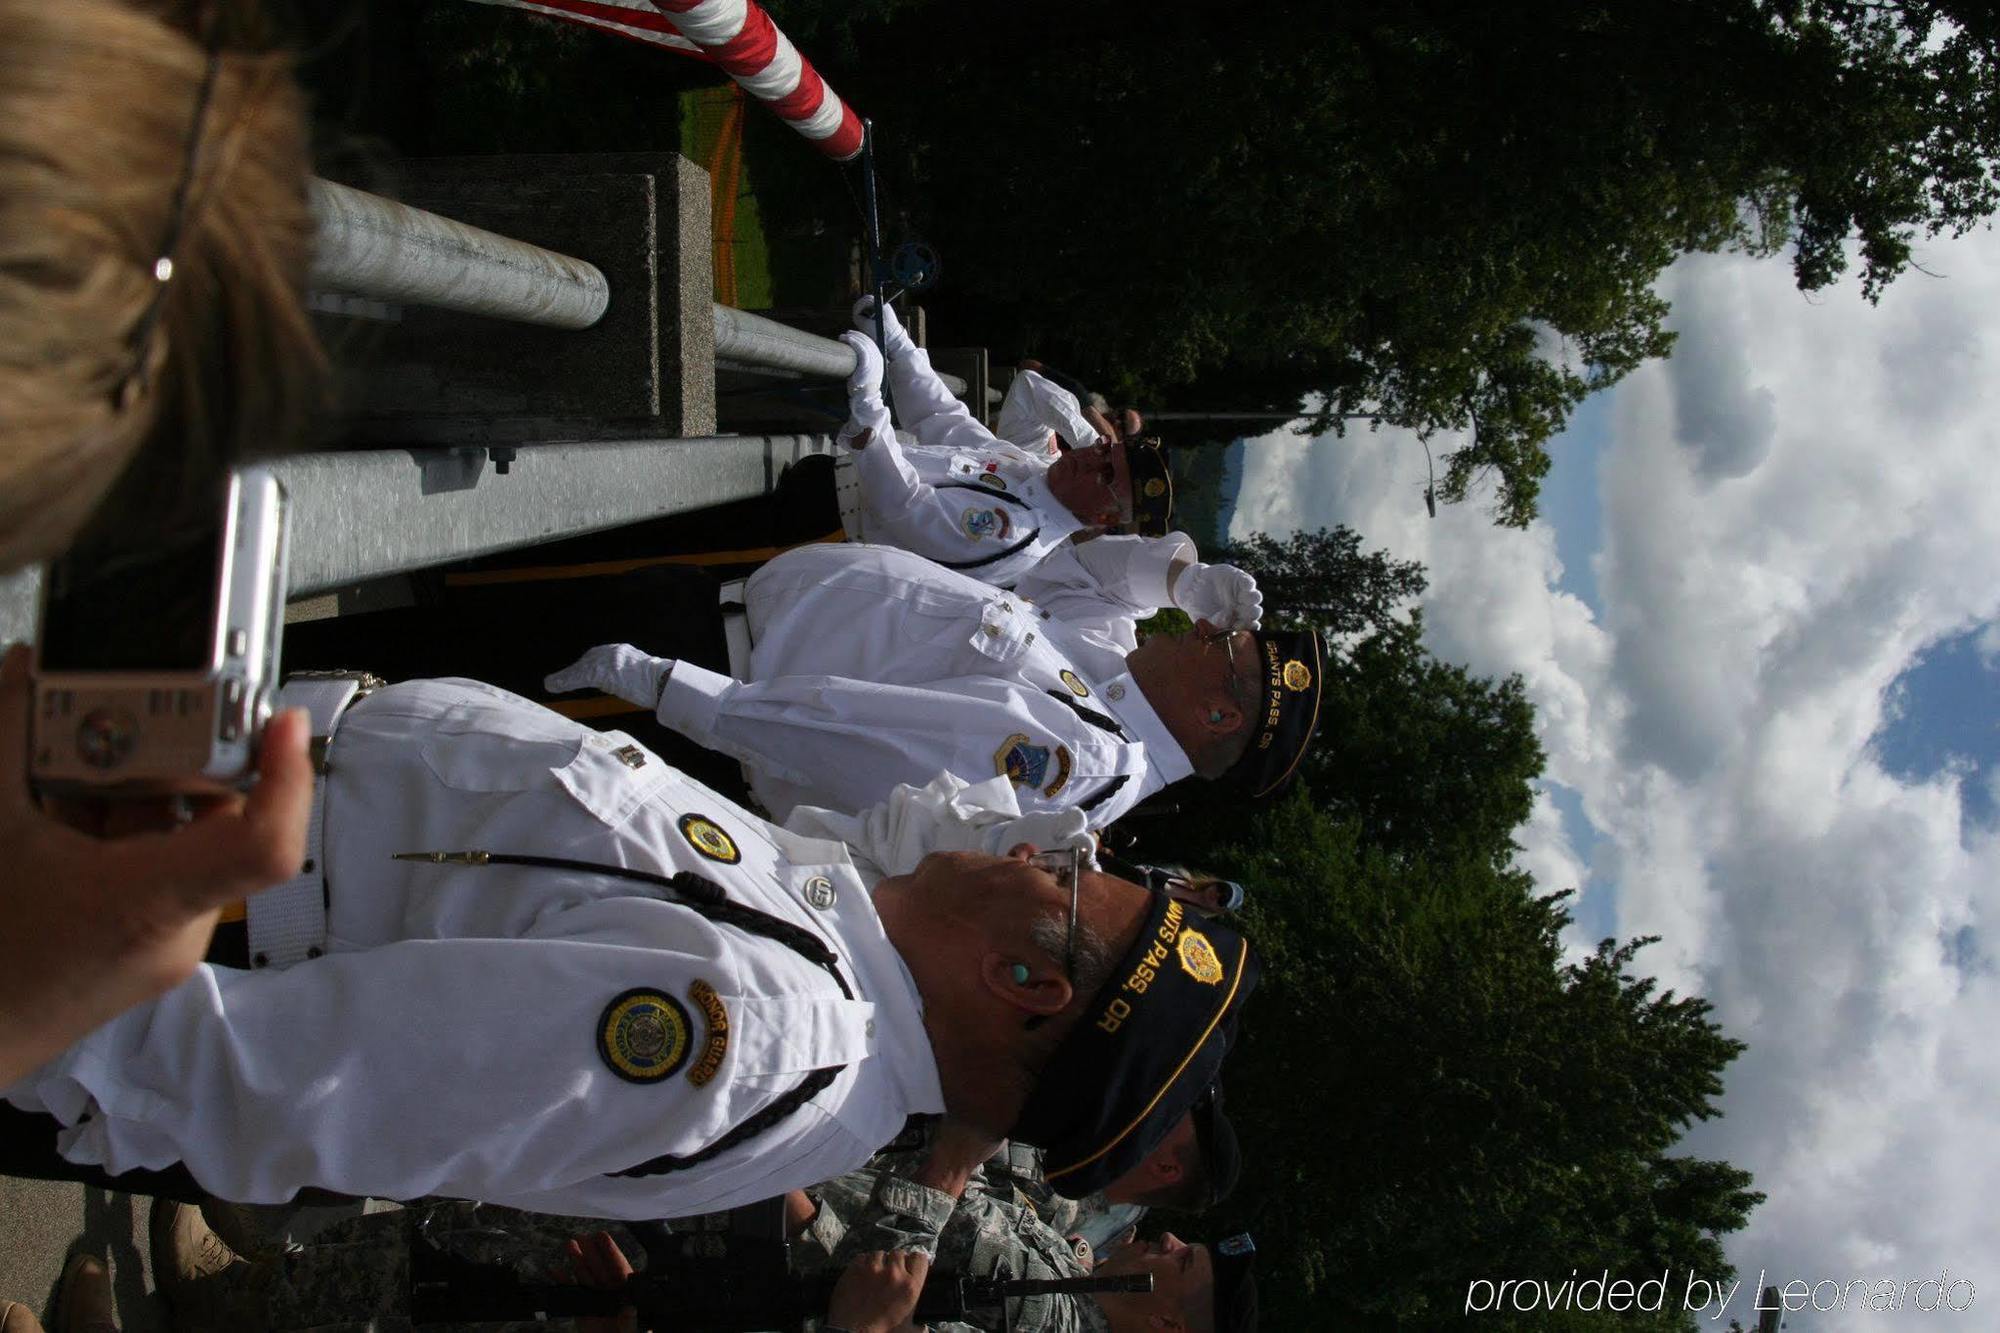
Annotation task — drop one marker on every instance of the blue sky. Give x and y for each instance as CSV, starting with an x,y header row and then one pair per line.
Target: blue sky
x,y
1947,717
1757,619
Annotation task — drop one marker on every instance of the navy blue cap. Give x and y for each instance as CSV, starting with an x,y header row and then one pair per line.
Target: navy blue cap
x,y
1146,1046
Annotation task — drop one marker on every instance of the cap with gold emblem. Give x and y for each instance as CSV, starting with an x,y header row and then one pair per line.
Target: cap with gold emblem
x,y
1152,487
1288,710
1147,1045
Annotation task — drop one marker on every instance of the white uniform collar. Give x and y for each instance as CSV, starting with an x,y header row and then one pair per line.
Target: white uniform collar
x,y
1054,517
1128,703
899,1042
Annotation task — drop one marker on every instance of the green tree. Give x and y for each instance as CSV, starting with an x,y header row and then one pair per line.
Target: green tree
x,y
1423,755
1450,214
1479,1107
1323,579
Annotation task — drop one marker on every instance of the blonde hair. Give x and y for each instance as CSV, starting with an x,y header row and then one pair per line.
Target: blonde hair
x,y
97,105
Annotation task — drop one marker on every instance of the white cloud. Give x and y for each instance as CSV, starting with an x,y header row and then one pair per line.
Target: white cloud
x,y
1988,645
1793,506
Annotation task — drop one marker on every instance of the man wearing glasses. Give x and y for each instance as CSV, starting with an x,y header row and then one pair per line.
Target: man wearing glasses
x,y
872,668
961,495
554,973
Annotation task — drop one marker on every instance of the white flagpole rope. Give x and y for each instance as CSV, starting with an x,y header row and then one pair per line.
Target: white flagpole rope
x,y
627,18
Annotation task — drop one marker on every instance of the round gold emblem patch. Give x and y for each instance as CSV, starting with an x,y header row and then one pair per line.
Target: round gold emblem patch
x,y
1155,489
1198,958
643,1036
1298,676
1075,683
706,837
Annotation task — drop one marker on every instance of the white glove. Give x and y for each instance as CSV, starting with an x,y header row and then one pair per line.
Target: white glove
x,y
866,416
618,669
893,336
867,377
1223,595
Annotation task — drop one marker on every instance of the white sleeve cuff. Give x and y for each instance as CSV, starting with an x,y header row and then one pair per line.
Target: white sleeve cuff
x,y
691,700
1149,565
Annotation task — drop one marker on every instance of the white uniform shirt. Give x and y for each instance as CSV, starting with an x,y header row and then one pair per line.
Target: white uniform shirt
x,y
449,1040
872,668
961,495
1036,409
987,512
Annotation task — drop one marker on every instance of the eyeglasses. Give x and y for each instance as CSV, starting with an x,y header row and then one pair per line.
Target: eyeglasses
x,y
1066,866
1244,693
136,377
1107,476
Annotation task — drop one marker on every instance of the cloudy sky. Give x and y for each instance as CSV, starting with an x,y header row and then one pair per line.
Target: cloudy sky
x,y
1760,620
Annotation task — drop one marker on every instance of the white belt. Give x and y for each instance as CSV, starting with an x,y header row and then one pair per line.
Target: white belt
x,y
287,924
847,490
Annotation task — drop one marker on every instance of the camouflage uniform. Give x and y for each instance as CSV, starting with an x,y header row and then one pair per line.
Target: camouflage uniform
x,y
355,1275
991,1233
1093,1217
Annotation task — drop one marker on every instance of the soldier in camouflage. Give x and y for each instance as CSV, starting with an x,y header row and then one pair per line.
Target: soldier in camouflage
x,y
995,1232
354,1277
1192,1169
991,1233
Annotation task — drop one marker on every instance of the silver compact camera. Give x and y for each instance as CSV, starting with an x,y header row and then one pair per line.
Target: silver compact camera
x,y
156,669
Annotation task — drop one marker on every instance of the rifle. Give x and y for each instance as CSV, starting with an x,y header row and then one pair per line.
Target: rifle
x,y
735,1280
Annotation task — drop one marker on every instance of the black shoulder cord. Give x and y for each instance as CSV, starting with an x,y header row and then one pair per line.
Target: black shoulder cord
x,y
1090,715
1104,793
1015,549
697,893
1096,719
1009,497
804,1091
706,898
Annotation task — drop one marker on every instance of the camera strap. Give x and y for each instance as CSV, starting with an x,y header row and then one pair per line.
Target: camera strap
x,y
287,924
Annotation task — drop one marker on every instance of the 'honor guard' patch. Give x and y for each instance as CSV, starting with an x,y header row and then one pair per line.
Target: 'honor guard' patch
x,y
1063,766
1198,958
1075,683
979,523
717,1045
1020,763
993,479
707,838
643,1036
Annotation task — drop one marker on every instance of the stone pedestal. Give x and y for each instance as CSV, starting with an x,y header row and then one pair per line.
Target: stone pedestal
x,y
645,371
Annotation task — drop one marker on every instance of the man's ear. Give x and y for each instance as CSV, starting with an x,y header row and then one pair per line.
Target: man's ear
x,y
1221,717
1030,986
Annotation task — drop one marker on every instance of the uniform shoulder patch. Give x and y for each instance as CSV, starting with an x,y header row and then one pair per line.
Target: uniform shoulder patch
x,y
1021,763
993,479
1075,683
706,836
1063,764
716,1045
642,1035
981,523
1198,958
